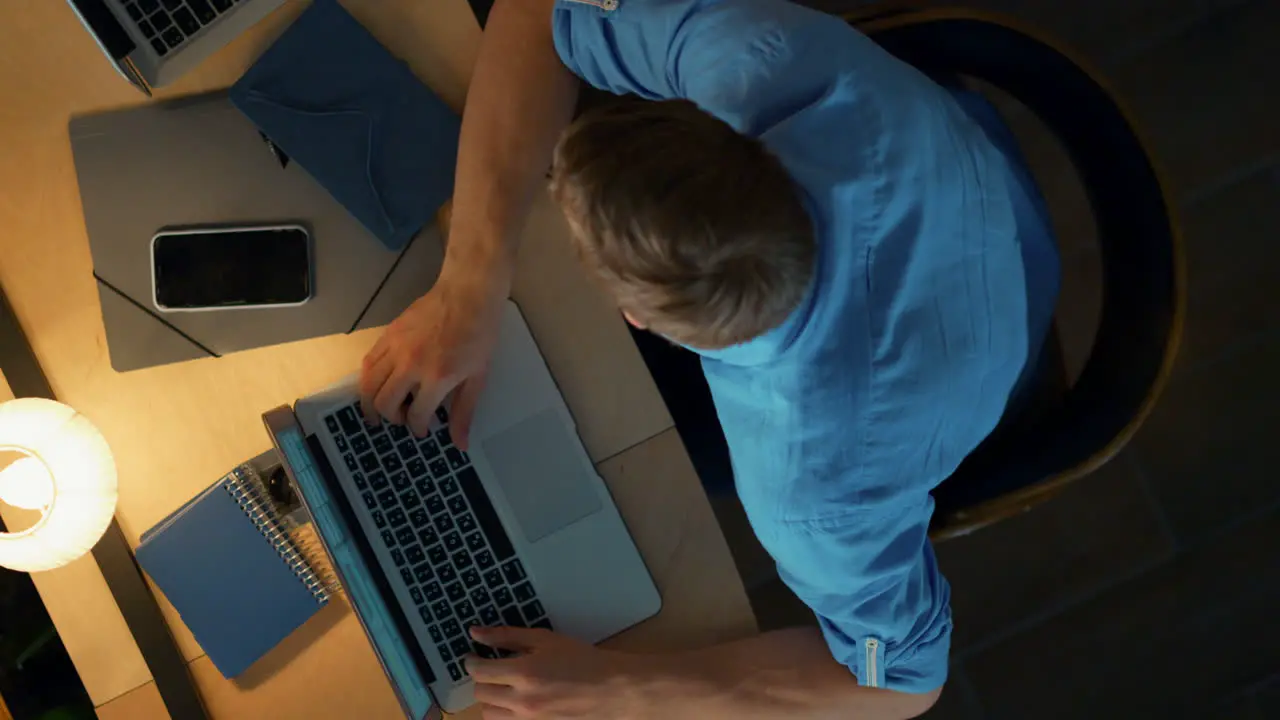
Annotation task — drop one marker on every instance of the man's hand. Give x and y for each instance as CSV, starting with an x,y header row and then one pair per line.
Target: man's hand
x,y
557,677
441,344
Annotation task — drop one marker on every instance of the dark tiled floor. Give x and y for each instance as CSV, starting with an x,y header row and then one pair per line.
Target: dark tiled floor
x,y
1150,589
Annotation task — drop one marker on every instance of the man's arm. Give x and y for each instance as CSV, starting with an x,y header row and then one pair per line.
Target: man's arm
x,y
782,674
520,100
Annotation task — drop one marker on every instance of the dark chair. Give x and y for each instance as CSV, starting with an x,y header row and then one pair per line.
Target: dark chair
x,y
1033,455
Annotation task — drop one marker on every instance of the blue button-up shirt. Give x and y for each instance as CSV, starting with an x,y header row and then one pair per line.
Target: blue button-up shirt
x,y
935,281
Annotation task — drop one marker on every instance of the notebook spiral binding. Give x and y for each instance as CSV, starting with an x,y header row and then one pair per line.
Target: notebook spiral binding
x,y
298,547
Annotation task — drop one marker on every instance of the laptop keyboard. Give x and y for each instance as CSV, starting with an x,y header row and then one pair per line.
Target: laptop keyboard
x,y
167,24
440,528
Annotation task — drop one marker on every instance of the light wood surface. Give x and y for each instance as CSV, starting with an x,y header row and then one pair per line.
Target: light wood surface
x,y
175,429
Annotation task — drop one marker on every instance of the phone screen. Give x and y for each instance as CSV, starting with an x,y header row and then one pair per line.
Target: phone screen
x,y
231,267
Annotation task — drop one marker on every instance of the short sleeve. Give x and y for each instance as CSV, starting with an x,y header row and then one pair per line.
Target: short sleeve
x,y
745,61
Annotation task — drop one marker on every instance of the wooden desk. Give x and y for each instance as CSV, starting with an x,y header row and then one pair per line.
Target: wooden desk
x,y
175,429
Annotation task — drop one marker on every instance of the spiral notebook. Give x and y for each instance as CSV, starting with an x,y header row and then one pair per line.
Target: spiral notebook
x,y
237,571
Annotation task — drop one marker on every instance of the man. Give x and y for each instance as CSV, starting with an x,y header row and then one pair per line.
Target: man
x,y
851,248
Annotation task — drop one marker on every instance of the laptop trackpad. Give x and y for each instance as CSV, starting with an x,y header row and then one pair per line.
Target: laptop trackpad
x,y
538,467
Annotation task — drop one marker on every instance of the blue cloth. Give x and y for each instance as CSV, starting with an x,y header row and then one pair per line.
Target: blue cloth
x,y
918,322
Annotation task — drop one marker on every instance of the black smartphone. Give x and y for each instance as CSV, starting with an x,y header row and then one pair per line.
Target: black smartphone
x,y
235,267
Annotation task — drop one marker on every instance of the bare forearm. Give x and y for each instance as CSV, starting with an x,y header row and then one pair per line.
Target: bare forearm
x,y
787,673
520,100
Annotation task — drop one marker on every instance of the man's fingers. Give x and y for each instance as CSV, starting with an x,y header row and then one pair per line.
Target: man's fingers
x,y
390,400
502,696
521,640
464,409
496,673
492,712
372,377
425,402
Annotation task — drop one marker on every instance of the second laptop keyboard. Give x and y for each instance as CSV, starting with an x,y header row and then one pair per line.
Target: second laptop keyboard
x,y
434,516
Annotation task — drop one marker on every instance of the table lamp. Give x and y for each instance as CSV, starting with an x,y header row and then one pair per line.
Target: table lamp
x,y
65,471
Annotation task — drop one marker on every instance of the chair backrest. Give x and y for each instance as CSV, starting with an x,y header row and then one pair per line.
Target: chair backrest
x,y
1142,264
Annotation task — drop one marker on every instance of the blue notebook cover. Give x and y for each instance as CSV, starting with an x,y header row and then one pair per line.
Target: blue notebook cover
x,y
235,589
356,119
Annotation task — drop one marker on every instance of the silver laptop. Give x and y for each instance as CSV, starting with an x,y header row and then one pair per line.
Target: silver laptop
x,y
429,540
152,42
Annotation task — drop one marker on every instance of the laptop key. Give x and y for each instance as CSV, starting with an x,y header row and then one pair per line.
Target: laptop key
x,y
378,481
410,500
475,542
442,415
202,10
523,592
379,519
485,651
416,594
514,572
404,535
444,523
146,29
161,21
171,4
493,579
461,647
361,483
489,615
490,525
397,557
387,499
400,481
427,536
462,560
375,430
470,577
341,442
448,486
406,575
135,15
437,555
457,505
452,541
437,637
484,559
369,500
423,573
464,611
443,437
382,444
148,6
429,448
392,463
347,416
457,458
419,518
407,450
414,554
425,613
480,597
396,518
433,591
417,468
388,538
446,573
511,617
533,611
455,592
360,444
441,610
455,672
467,523
221,5
350,460
439,468
369,463
425,487
445,653
330,421
435,504
398,432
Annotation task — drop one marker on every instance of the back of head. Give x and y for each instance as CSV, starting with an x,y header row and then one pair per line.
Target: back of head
x,y
698,231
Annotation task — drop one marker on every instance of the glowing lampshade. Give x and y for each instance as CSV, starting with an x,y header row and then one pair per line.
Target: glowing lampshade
x,y
66,472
